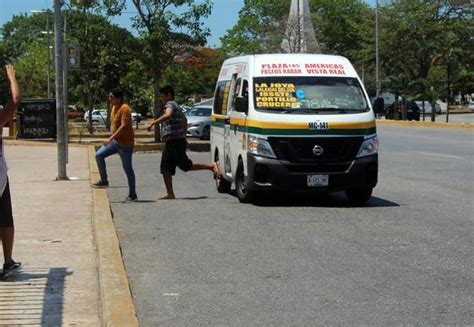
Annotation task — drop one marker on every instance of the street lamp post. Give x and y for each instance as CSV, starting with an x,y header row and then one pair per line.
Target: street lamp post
x,y
377,55
60,104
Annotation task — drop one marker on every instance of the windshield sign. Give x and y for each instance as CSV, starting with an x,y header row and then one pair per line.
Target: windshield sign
x,y
309,95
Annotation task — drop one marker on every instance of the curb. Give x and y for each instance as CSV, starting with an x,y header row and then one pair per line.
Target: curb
x,y
466,126
115,295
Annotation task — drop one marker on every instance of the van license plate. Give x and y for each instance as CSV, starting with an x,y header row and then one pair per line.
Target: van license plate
x,y
318,180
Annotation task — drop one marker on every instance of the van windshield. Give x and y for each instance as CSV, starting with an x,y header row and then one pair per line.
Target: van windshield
x,y
309,95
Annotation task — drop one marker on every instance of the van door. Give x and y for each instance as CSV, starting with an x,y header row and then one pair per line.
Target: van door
x,y
220,125
238,127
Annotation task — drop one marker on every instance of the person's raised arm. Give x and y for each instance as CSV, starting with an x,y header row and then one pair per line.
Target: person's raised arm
x,y
9,110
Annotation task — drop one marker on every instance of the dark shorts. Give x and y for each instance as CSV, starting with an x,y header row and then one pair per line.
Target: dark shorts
x,y
6,215
174,155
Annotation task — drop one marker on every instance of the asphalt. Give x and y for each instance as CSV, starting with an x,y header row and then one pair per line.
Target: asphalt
x,y
65,236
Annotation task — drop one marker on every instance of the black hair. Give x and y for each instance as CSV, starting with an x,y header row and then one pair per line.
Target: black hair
x,y
117,93
168,89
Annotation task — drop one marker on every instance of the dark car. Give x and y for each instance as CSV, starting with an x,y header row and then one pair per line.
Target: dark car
x,y
413,111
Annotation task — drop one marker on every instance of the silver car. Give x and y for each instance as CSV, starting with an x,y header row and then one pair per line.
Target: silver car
x,y
428,107
99,116
199,122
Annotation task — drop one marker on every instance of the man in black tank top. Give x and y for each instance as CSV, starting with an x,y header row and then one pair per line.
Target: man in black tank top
x,y
174,124
7,229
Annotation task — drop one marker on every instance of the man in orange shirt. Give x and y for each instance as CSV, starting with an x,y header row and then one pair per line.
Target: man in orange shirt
x,y
121,142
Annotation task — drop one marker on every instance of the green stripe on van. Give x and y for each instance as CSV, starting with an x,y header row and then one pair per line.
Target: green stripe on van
x,y
281,131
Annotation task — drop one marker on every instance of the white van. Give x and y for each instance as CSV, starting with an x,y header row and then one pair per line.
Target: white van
x,y
293,122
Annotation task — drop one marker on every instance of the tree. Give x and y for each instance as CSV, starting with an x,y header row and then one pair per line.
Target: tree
x,y
166,34
106,51
342,27
194,74
260,28
419,35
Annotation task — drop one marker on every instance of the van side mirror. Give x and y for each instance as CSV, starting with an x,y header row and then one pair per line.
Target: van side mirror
x,y
242,104
379,106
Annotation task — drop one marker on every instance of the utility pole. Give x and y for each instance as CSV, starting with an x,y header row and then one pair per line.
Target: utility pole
x,y
59,53
377,54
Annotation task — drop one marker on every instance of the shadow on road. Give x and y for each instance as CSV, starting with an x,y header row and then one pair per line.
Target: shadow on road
x,y
325,200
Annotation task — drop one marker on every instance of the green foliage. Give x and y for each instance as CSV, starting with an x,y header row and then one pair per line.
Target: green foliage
x,y
4,93
32,70
195,74
260,28
420,40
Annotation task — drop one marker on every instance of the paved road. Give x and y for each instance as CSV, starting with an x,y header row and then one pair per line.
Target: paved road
x,y
406,258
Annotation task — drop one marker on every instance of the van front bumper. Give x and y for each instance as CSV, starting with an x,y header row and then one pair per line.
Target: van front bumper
x,y
274,174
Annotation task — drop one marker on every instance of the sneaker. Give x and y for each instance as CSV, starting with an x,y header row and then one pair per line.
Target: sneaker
x,y
100,184
132,198
11,267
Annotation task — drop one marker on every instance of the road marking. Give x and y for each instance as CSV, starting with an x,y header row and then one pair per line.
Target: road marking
x,y
441,155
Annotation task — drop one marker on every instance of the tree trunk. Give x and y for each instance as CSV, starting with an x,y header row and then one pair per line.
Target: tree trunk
x,y
404,110
90,105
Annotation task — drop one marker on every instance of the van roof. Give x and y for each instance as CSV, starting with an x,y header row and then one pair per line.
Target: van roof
x,y
288,65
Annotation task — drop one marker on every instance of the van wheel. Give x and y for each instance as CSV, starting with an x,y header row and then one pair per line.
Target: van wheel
x,y
359,196
244,195
222,185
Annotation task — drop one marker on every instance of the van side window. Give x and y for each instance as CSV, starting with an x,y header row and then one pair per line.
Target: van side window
x,y
236,92
245,89
221,97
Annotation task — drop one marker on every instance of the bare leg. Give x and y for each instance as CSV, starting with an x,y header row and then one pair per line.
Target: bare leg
x,y
168,179
211,166
7,234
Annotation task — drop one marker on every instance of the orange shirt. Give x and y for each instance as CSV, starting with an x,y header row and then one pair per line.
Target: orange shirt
x,y
123,116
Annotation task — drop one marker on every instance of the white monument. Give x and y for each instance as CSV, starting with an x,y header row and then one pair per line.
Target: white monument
x,y
300,36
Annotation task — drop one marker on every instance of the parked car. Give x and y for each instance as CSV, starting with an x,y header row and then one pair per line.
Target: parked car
x,y
470,106
199,122
413,111
428,107
136,117
99,116
74,113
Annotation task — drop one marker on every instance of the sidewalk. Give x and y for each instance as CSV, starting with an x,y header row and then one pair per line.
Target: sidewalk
x,y
54,240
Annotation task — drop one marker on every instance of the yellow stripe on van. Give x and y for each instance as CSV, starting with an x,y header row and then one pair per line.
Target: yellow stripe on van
x,y
300,125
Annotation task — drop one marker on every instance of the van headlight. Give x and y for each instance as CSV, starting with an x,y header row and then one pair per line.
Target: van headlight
x,y
259,147
369,147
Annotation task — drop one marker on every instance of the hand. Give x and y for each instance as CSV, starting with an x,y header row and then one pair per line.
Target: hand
x,y
149,127
10,72
108,141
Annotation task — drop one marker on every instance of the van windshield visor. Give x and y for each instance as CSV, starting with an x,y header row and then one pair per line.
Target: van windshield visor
x,y
309,95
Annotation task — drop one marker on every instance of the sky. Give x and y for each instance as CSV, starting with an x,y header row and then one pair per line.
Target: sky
x,y
225,14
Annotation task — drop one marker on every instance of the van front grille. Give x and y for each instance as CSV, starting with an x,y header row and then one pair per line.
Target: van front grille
x,y
300,149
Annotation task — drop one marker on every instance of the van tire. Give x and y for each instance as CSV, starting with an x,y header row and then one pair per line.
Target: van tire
x,y
359,196
222,185
243,194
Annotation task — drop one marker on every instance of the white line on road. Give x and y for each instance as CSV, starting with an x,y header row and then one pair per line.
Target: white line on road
x,y
441,155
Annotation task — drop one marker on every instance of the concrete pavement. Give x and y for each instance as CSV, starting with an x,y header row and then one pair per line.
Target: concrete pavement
x,y
65,238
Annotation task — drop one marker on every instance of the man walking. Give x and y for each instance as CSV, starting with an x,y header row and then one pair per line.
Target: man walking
x,y
121,142
174,134
7,230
